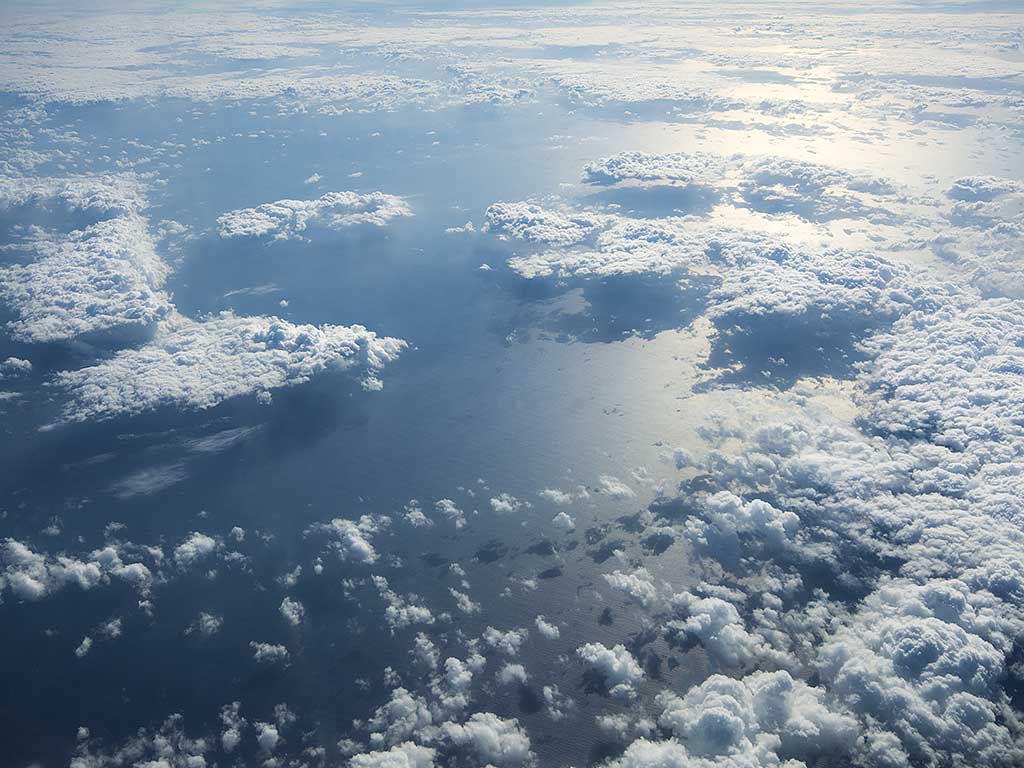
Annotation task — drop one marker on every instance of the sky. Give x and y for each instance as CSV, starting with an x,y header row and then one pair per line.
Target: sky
x,y
451,385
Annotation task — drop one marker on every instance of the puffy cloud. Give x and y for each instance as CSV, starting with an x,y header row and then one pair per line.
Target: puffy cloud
x,y
99,195
558,704
512,673
615,488
538,224
732,516
619,672
405,755
505,642
415,517
293,611
84,647
464,602
401,612
269,653
952,377
564,498
451,688
925,662
546,628
424,652
233,725
720,629
165,747
450,510
198,546
564,521
32,575
814,191
206,624
14,367
101,282
352,540
288,219
491,739
754,721
197,365
401,718
678,167
506,504
770,184
637,586
267,737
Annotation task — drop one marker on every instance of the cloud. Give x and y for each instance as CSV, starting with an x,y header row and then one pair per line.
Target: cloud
x,y
546,628
532,222
619,672
99,195
84,647
491,739
269,653
638,586
925,662
198,546
352,540
564,521
99,283
564,498
512,673
615,488
506,504
720,629
167,746
401,612
293,611
401,718
448,508
464,602
678,167
505,642
288,219
267,737
753,721
198,365
32,575
206,624
234,724
406,755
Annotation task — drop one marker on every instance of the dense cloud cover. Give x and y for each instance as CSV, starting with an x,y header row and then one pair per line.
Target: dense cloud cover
x,y
707,444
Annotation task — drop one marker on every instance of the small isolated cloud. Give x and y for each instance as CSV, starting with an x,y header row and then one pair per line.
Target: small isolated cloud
x,y
506,504
564,521
512,673
505,642
198,546
352,540
268,653
615,488
546,628
638,586
205,625
451,511
293,611
564,498
401,611
619,673
288,219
